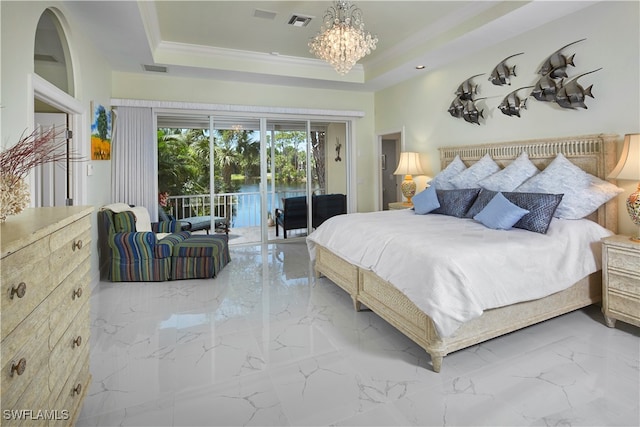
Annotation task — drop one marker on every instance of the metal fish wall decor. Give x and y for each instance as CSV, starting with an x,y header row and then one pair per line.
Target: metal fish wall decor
x,y
554,85
572,94
512,103
470,112
463,105
558,62
456,107
467,89
501,72
545,88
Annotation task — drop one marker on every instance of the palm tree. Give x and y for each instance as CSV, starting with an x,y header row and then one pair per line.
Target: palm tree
x,y
249,154
226,158
318,157
178,168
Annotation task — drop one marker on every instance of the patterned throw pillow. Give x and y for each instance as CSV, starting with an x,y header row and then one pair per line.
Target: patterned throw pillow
x,y
559,177
470,177
441,180
583,193
514,174
583,202
541,208
455,202
500,213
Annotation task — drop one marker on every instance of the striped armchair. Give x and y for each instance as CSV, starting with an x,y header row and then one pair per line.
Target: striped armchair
x,y
138,256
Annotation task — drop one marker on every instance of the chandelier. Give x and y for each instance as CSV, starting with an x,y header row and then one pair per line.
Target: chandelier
x,y
342,40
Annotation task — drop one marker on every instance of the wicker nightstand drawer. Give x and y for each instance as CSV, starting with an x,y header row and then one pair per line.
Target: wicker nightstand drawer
x,y
624,283
621,280
623,260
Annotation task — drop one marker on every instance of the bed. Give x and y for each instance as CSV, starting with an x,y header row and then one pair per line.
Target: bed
x,y
595,154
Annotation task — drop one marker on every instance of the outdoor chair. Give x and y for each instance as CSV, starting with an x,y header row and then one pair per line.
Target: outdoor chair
x,y
197,223
294,213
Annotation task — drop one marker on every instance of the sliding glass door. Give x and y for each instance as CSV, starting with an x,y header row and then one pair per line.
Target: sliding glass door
x,y
246,170
288,185
237,177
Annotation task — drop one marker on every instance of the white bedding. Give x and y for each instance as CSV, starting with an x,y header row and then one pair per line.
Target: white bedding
x,y
453,269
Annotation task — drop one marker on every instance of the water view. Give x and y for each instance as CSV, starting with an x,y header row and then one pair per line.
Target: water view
x,y
247,211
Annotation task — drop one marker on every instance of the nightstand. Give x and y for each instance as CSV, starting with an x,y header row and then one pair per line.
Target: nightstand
x,y
395,206
620,280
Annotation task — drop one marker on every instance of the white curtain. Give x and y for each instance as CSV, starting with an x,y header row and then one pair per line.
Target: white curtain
x,y
133,159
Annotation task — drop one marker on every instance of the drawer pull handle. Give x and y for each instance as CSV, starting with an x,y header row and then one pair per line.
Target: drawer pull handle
x,y
77,293
18,368
77,245
18,291
77,341
77,389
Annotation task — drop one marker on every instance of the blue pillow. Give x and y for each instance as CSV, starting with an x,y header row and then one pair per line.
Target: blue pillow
x,y
500,213
541,208
426,201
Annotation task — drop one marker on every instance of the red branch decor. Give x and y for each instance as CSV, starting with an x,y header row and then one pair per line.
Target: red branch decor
x,y
34,150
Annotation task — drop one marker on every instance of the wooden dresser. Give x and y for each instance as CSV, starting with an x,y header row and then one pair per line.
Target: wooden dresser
x,y
45,315
621,280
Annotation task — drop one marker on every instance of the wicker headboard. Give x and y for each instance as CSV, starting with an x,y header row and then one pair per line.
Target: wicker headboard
x,y
595,154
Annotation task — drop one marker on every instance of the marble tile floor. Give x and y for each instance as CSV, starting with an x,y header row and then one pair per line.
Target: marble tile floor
x,y
265,344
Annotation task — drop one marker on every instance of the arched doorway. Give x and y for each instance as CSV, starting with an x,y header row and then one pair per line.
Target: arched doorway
x,y
54,105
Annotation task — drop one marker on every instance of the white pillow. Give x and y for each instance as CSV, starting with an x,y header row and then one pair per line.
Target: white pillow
x,y
470,177
442,179
583,202
559,177
514,174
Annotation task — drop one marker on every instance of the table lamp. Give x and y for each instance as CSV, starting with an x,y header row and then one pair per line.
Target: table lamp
x,y
628,168
409,165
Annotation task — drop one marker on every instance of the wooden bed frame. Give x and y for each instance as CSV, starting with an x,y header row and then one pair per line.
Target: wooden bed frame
x,y
596,154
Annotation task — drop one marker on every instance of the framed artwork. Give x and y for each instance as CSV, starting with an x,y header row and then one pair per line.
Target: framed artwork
x,y
100,133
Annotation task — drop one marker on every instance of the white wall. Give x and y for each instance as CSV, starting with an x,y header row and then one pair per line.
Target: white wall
x,y
92,83
613,42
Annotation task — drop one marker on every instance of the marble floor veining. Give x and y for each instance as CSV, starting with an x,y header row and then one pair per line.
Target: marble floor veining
x,y
266,344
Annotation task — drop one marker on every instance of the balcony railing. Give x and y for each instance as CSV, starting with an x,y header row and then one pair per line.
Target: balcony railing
x,y
243,209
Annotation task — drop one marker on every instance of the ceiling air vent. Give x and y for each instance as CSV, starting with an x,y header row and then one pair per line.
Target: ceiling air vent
x,y
155,68
299,20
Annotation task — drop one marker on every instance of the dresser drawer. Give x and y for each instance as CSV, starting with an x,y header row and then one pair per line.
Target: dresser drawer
x,y
69,248
25,350
622,259
25,283
68,298
72,346
25,411
72,392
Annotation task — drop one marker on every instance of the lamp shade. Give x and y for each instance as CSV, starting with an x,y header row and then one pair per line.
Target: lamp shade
x,y
409,164
629,165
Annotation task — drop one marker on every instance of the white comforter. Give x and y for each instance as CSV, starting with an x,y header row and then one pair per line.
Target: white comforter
x,y
453,269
